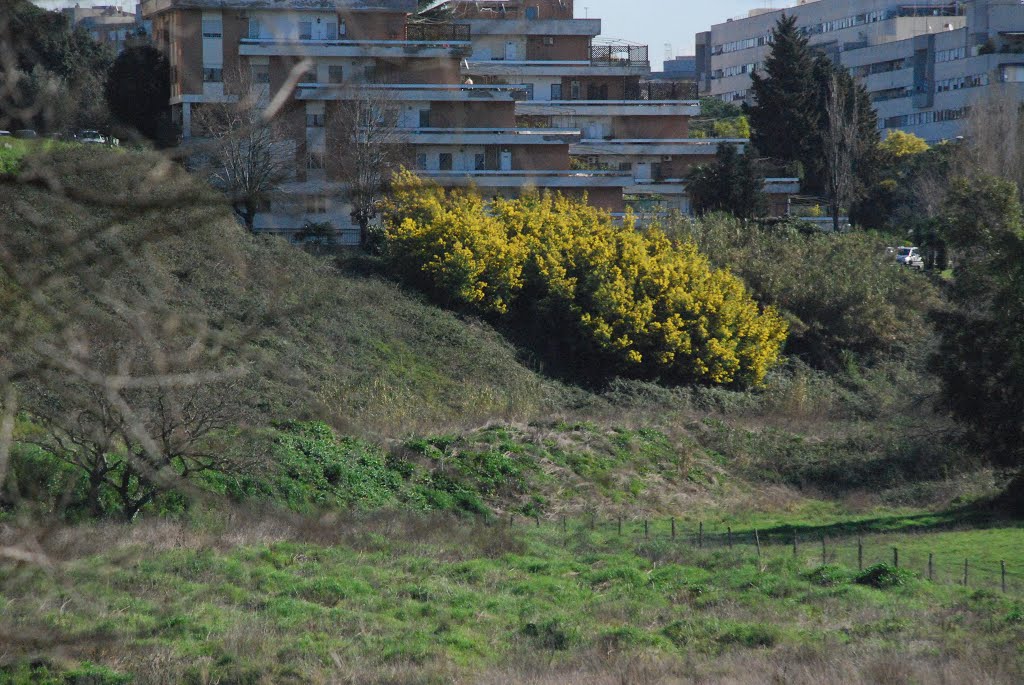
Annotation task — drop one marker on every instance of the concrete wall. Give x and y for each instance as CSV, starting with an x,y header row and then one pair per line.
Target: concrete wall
x,y
540,157
651,127
609,199
562,48
472,115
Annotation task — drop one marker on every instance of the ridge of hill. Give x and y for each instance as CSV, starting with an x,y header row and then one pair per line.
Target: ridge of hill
x,y
357,351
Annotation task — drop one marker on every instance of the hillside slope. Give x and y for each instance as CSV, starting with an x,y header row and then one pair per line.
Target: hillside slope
x,y
357,351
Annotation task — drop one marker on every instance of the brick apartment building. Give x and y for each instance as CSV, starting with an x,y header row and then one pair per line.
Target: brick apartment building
x,y
501,94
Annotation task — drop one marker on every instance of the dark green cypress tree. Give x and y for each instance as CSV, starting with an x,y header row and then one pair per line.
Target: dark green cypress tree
x,y
783,118
732,183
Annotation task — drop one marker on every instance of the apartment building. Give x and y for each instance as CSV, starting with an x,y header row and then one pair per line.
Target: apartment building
x,y
732,50
499,94
924,64
106,24
630,127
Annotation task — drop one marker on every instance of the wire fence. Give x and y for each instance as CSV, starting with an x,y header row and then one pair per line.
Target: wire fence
x,y
852,550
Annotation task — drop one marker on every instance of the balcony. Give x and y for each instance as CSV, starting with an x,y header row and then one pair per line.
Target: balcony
x,y
490,136
531,177
606,108
619,55
446,33
552,68
706,147
407,92
277,47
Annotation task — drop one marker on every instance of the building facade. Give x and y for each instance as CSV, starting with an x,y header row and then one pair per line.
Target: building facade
x,y
923,64
630,126
107,24
501,95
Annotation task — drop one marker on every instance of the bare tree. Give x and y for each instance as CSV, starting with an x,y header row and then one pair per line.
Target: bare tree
x,y
367,148
995,137
243,148
841,142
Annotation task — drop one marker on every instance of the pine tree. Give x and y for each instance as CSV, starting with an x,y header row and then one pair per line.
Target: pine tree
x,y
784,117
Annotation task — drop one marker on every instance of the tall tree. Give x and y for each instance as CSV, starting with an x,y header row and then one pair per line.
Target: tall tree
x,y
841,141
363,127
784,115
138,91
981,357
51,74
732,183
245,152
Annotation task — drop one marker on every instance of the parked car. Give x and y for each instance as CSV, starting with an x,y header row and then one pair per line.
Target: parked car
x,y
26,133
90,136
909,256
4,134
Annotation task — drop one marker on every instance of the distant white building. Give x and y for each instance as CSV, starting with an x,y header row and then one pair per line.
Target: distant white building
x,y
924,62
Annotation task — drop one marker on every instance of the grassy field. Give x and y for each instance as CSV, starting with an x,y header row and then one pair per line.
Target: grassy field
x,y
412,599
373,544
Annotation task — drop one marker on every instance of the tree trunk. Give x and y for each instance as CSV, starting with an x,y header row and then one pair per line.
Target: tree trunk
x,y
835,217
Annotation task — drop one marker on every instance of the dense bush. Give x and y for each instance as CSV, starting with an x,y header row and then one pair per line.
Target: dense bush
x,y
629,303
839,292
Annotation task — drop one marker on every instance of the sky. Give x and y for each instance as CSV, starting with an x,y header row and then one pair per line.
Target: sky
x,y
651,22
657,22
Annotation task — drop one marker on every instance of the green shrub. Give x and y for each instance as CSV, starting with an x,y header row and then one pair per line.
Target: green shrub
x,y
551,634
860,300
884,576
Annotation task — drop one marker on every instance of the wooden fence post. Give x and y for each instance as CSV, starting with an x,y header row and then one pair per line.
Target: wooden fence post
x,y
673,527
896,557
860,553
537,517
1002,570
931,566
565,526
966,563
646,531
620,525
729,536
824,550
700,535
757,541
795,543
511,520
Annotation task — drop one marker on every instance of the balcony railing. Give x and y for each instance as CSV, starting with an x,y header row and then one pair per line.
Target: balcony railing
x,y
438,32
619,55
657,90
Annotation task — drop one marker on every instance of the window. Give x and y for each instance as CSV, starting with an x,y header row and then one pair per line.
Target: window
x,y
331,32
305,30
445,161
480,162
549,40
342,28
532,12
213,75
315,120
335,74
316,204
315,160
255,29
260,73
212,28
421,161
574,90
556,91
424,118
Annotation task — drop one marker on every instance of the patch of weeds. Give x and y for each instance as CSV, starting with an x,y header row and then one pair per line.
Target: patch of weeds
x,y
884,576
829,575
551,635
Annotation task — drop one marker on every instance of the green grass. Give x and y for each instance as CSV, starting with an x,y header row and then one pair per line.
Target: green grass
x,y
455,598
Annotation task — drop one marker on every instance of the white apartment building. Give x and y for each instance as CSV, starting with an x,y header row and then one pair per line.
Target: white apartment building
x,y
923,63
